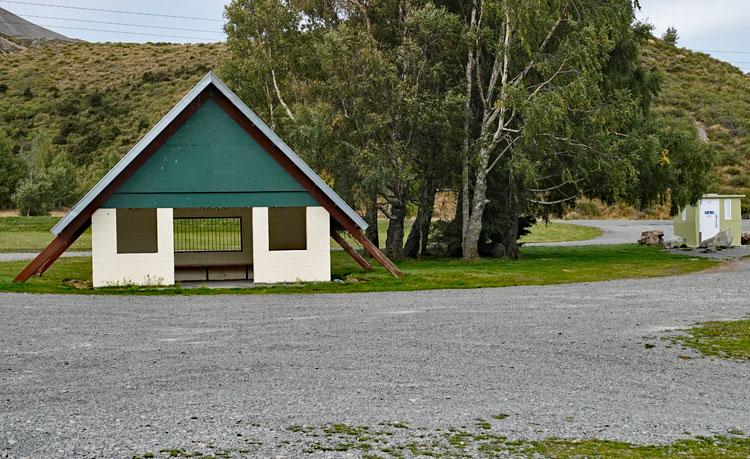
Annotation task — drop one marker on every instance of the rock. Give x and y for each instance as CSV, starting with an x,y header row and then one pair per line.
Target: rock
x,y
653,237
720,241
745,238
677,243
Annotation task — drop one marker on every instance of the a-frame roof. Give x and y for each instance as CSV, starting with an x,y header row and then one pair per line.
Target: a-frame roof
x,y
209,80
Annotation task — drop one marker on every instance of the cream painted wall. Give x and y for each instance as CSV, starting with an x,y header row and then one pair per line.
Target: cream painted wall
x,y
313,264
111,268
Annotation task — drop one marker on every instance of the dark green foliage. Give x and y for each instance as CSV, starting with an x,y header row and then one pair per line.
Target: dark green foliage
x,y
12,169
670,37
34,196
50,180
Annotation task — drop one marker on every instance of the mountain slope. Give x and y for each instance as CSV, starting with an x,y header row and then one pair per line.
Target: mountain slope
x,y
15,26
8,45
714,97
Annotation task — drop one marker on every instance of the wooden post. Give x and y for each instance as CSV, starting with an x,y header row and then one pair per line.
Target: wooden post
x,y
350,250
375,252
45,258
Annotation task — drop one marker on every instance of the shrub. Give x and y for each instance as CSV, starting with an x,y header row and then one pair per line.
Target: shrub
x,y
670,36
34,197
586,208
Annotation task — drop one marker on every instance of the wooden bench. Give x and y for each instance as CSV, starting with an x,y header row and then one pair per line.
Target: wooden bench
x,y
246,267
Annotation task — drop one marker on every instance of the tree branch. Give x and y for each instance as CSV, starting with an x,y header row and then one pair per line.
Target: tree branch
x,y
387,214
559,201
546,40
502,153
556,187
541,85
278,95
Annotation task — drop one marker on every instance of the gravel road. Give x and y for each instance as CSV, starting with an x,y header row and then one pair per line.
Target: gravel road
x,y
113,376
622,231
17,256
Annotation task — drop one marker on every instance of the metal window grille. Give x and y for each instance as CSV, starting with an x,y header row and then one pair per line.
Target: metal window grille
x,y
208,234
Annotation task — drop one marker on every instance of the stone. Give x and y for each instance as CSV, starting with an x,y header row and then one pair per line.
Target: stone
x,y
677,243
653,237
722,240
745,238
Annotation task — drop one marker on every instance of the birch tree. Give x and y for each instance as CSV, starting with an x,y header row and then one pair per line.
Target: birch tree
x,y
533,67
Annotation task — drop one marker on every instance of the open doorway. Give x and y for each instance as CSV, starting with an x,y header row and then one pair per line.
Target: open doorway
x,y
213,244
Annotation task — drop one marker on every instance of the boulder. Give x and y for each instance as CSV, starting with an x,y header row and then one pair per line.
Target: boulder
x,y
745,238
722,240
653,237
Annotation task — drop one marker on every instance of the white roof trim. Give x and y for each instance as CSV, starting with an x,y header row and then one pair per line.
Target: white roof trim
x,y
209,79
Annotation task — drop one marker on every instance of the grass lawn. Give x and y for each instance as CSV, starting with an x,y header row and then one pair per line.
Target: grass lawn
x,y
559,232
31,234
538,266
730,339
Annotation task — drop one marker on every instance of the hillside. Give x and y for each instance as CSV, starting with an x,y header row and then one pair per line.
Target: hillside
x,y
713,96
9,45
14,26
94,101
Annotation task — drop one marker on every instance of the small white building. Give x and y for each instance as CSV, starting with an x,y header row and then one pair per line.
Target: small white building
x,y
210,193
711,215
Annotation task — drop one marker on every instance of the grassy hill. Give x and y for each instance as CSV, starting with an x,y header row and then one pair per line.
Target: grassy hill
x,y
94,101
713,96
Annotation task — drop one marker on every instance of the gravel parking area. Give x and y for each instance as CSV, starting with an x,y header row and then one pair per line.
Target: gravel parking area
x,y
111,376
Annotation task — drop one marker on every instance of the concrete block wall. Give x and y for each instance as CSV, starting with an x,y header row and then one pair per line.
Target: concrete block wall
x,y
111,268
313,264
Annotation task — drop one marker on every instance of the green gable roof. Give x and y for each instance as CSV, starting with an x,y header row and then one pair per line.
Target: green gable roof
x,y
210,162
208,165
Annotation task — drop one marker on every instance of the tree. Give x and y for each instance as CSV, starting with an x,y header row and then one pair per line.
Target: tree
x,y
670,36
367,101
558,98
521,105
34,196
50,179
263,37
12,171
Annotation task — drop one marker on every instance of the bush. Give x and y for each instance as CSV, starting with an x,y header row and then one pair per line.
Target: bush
x,y
34,197
445,238
586,208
